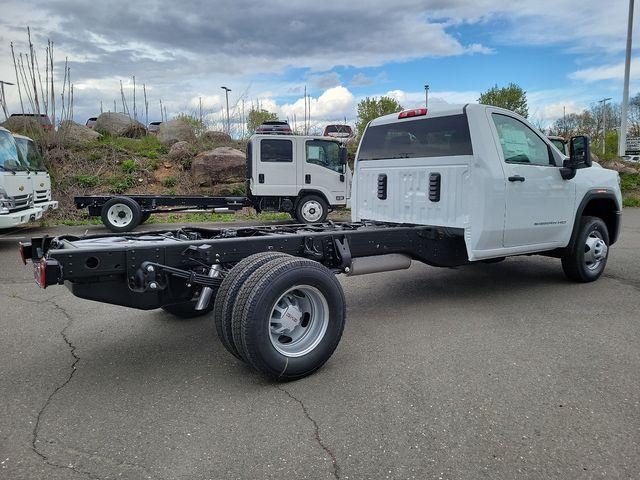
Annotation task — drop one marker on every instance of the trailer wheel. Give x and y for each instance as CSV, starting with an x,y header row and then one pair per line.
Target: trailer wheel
x,y
289,317
312,209
187,309
121,214
228,293
589,256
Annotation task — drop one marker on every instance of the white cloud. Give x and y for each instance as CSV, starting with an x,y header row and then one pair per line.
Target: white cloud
x,y
606,72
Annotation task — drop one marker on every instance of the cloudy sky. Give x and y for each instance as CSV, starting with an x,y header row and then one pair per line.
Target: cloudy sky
x,y
564,53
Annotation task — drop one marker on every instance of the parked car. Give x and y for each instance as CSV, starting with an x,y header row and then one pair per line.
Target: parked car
x,y
41,118
90,123
276,127
153,127
31,158
631,158
338,131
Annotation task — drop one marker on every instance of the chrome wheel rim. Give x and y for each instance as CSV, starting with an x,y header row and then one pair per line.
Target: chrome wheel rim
x,y
120,215
298,321
312,211
595,250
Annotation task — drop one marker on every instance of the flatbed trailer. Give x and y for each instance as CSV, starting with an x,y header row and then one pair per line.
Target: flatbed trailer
x,y
123,213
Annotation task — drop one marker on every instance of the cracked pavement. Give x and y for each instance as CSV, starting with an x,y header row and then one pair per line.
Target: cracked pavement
x,y
488,371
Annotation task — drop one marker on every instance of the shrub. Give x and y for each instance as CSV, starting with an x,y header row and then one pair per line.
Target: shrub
x,y
121,184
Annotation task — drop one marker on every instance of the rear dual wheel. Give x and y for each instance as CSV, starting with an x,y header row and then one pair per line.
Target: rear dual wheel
x,y
283,315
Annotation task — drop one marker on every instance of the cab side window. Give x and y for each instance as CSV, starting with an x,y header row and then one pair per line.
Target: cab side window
x,y
276,150
519,143
324,153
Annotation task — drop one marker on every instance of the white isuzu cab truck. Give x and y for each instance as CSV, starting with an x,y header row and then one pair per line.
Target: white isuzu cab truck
x,y
448,187
40,179
17,203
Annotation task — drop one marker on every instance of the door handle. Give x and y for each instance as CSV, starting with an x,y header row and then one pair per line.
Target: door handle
x,y
516,178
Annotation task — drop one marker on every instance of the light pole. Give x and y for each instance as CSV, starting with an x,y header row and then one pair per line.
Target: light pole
x,y
622,138
226,92
426,95
3,99
604,119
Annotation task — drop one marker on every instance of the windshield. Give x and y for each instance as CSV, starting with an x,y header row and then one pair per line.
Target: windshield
x,y
29,152
427,137
9,159
338,129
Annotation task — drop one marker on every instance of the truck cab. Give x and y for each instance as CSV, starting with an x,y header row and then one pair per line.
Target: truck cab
x,y
306,176
32,159
487,172
16,188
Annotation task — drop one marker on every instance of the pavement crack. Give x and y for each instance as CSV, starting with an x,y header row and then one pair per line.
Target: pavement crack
x,y
318,438
36,428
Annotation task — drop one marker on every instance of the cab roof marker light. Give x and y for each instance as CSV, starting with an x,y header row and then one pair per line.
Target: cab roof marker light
x,y
416,112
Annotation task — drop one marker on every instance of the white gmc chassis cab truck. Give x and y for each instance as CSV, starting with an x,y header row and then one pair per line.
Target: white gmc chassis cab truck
x,y
448,187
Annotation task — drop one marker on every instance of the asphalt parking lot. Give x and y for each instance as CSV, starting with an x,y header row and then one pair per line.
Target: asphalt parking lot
x,y
501,371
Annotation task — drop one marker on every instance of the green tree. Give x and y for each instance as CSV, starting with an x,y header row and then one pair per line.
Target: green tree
x,y
257,118
511,97
371,108
198,126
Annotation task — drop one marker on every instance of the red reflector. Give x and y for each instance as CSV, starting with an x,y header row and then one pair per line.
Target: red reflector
x,y
416,112
40,273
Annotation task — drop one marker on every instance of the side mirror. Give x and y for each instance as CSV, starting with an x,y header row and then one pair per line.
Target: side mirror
x,y
579,152
343,155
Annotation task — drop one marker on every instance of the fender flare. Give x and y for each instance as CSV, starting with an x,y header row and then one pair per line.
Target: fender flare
x,y
597,194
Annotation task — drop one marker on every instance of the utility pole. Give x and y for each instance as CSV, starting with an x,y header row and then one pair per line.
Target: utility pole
x,y
622,138
426,95
3,99
226,92
564,120
603,102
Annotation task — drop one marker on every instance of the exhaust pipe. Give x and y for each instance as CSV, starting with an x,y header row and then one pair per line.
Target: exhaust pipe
x,y
379,263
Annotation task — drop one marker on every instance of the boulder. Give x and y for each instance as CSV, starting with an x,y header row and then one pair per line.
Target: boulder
x,y
215,137
176,131
23,125
119,125
72,133
181,151
220,165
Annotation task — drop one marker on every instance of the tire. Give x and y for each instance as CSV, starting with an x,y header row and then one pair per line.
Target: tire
x,y
144,217
589,256
187,309
121,214
228,293
295,290
312,209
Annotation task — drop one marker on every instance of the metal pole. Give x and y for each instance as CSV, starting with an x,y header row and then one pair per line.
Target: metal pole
x,y
226,92
604,120
622,138
3,99
426,95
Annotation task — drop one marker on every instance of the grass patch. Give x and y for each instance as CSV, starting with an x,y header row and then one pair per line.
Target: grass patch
x,y
130,166
121,184
170,182
86,181
629,181
631,202
148,146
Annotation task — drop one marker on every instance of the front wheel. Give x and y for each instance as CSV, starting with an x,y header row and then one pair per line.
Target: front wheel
x,y
312,209
121,214
588,258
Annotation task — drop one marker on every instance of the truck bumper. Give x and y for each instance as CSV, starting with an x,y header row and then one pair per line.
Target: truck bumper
x,y
51,205
14,219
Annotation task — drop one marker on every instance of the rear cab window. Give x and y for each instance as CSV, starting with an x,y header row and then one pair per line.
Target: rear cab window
x,y
426,137
276,150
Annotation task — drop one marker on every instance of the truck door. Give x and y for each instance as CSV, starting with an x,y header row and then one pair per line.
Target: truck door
x,y
275,173
539,203
324,171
